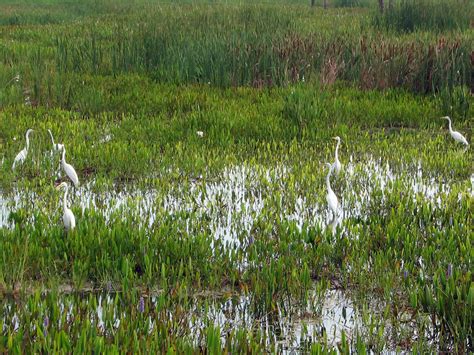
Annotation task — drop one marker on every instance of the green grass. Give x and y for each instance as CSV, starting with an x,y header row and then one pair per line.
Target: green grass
x,y
228,45
174,229
431,15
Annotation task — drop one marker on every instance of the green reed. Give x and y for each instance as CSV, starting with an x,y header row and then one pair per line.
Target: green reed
x,y
232,45
431,15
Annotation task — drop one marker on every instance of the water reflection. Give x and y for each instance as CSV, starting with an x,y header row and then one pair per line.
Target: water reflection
x,y
325,318
229,206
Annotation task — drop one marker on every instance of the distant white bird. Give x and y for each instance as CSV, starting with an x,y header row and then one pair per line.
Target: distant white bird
x,y
57,147
69,170
20,157
337,164
69,220
331,196
458,137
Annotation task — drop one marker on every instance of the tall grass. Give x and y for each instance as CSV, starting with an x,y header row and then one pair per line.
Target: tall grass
x,y
277,55
248,46
352,3
426,15
233,45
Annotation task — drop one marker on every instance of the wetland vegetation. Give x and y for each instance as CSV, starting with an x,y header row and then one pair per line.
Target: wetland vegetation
x,y
199,132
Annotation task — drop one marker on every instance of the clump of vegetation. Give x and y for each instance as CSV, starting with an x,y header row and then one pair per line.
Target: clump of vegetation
x,y
425,15
352,3
227,46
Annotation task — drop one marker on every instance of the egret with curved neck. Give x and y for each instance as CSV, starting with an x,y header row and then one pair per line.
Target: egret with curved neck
x,y
337,164
69,220
331,197
69,170
20,157
56,146
458,137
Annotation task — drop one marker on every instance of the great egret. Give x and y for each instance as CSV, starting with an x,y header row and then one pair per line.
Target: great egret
x,y
337,164
20,157
68,217
57,147
331,196
69,170
458,137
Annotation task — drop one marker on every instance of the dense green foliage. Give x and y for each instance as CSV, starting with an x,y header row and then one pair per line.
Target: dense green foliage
x,y
434,15
223,242
224,45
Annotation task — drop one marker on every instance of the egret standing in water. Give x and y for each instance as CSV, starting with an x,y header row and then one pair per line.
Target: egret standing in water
x,y
337,164
68,217
57,147
331,196
458,137
69,170
20,157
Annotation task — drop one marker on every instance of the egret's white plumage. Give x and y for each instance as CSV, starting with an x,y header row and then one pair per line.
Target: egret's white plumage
x,y
20,157
69,170
337,166
69,220
331,196
458,137
57,147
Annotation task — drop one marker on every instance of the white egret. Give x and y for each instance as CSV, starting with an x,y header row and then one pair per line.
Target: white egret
x,y
20,157
57,147
69,170
68,217
458,137
337,164
331,196
333,224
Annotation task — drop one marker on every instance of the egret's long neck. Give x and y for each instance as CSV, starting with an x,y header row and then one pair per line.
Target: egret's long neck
x,y
450,128
27,142
64,156
65,198
51,135
328,183
337,149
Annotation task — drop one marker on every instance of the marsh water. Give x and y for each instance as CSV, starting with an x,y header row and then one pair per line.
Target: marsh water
x,y
327,316
232,201
227,208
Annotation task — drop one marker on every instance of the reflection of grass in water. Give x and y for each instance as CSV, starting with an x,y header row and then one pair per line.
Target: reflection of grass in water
x,y
109,316
120,251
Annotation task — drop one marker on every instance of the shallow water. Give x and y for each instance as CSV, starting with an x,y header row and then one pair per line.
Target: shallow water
x,y
328,316
292,328
229,207
240,195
